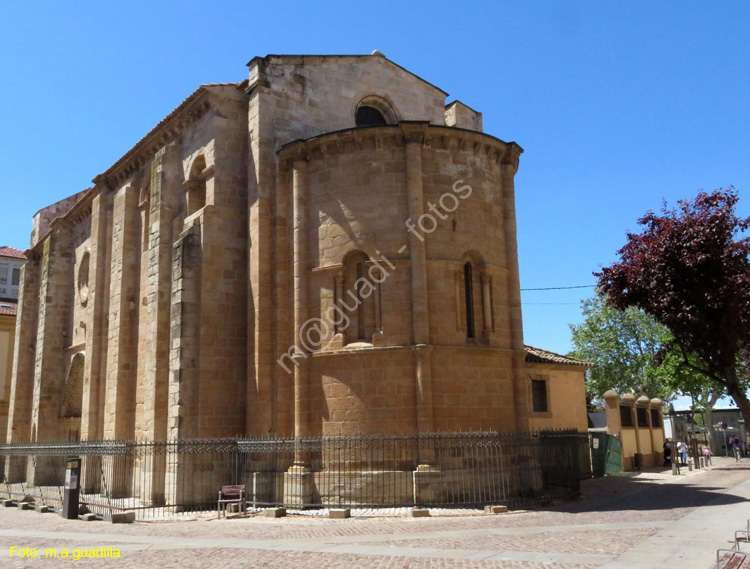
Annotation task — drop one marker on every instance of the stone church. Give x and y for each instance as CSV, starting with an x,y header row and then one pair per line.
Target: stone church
x,y
325,248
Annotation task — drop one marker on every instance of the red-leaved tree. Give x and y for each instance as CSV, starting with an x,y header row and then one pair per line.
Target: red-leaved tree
x,y
689,269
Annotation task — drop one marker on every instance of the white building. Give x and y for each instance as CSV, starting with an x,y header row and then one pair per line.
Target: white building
x,y
11,261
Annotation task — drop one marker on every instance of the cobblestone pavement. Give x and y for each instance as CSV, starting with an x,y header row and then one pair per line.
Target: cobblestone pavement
x,y
615,518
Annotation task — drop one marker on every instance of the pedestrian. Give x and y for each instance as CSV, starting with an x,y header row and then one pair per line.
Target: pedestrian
x,y
683,452
736,449
707,455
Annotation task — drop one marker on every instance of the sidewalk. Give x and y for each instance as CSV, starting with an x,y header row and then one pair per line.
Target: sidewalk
x,y
646,520
692,541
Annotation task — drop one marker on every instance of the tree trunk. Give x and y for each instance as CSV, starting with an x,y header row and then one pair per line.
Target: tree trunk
x,y
734,390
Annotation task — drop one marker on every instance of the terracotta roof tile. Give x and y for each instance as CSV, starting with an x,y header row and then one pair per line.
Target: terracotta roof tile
x,y
11,252
166,119
538,355
8,307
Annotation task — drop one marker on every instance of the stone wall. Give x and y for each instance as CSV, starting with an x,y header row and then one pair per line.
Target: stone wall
x,y
358,188
194,263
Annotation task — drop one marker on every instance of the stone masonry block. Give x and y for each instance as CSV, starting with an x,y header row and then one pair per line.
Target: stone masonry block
x,y
339,513
496,509
274,513
126,517
420,513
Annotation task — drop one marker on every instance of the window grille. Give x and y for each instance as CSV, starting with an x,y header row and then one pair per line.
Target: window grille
x,y
369,116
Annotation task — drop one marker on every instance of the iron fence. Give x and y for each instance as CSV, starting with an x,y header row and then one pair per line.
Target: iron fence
x,y
157,478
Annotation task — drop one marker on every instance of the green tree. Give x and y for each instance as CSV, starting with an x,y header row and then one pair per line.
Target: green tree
x,y
625,348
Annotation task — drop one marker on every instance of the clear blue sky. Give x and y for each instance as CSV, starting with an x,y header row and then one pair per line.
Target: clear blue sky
x,y
617,104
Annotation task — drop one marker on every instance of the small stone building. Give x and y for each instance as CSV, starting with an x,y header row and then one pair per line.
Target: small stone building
x,y
325,248
639,423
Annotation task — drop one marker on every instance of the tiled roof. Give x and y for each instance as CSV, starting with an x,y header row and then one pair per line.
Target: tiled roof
x,y
8,307
11,252
538,355
194,95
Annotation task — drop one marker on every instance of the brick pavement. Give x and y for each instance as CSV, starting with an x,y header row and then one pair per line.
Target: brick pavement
x,y
616,517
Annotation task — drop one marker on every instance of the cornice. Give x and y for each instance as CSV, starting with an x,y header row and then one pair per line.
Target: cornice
x,y
397,136
171,127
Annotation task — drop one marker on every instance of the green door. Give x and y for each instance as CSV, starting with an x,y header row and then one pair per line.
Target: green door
x,y
598,453
605,454
614,456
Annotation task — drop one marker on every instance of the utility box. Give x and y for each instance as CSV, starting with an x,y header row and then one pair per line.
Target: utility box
x,y
72,489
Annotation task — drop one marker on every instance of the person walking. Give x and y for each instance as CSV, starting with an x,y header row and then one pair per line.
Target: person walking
x,y
683,452
736,449
707,455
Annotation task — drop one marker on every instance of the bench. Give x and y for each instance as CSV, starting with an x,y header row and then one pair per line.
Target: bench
x,y
233,494
732,559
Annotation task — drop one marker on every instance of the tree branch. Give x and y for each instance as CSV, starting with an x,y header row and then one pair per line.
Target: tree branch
x,y
686,362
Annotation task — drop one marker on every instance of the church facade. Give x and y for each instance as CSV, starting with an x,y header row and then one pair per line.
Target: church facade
x,y
326,248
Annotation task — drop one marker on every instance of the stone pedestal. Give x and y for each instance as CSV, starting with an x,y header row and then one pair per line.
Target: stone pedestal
x,y
264,488
298,485
427,482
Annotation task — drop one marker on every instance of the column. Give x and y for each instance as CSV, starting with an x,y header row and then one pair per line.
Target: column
x,y
298,479
513,284
487,303
22,377
53,336
119,404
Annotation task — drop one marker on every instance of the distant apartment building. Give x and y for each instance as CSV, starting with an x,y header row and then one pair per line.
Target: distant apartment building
x,y
11,261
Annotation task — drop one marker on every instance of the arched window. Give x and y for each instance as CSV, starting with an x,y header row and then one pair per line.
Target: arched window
x,y
469,299
358,299
83,278
72,400
374,111
369,116
196,186
144,203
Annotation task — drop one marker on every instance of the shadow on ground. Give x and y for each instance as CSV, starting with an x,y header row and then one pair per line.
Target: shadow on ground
x,y
628,493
